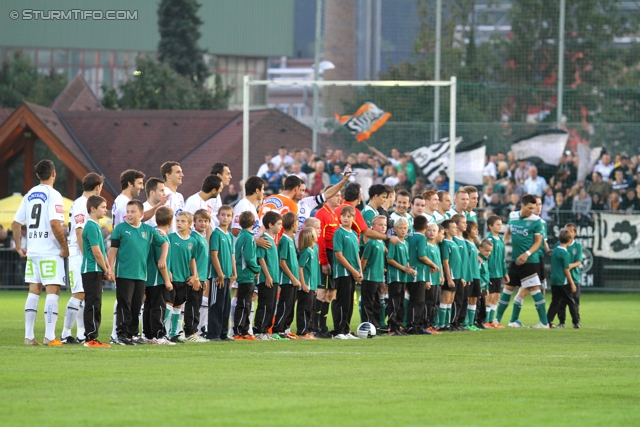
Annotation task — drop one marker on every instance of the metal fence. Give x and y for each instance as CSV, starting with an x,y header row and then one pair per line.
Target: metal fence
x,y
11,270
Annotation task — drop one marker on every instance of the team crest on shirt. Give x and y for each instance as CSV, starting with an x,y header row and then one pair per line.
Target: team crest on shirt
x,y
79,219
528,223
38,195
144,234
190,246
59,209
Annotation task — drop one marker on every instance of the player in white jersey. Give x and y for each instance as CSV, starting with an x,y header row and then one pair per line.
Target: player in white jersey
x,y
172,174
431,207
210,189
223,171
154,189
254,193
42,211
461,202
78,217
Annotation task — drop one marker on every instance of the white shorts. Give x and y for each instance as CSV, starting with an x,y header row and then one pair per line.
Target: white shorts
x,y
75,274
530,281
45,270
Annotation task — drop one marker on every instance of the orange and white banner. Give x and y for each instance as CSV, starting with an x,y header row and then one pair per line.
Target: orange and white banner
x,y
368,119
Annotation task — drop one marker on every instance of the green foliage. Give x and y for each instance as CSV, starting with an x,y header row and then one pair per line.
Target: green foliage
x,y
20,81
158,87
178,23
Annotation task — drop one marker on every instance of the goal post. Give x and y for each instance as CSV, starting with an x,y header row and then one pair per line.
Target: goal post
x,y
249,83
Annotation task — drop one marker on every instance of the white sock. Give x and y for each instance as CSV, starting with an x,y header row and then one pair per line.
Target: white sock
x,y
181,321
114,335
252,317
518,300
234,301
167,323
140,314
30,313
70,316
50,316
471,307
80,322
494,307
204,315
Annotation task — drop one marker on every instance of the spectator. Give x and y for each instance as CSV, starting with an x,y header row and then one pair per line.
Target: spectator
x,y
503,174
513,204
522,173
282,159
271,179
631,202
407,167
232,196
396,158
597,203
442,182
336,177
535,184
418,188
487,195
620,182
562,211
582,207
624,165
604,166
403,182
265,166
296,169
318,179
490,169
614,201
494,204
391,175
566,165
512,187
560,181
548,203
5,242
599,186
511,160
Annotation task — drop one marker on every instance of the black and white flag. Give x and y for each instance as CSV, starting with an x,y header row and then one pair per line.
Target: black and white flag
x,y
617,236
543,149
469,161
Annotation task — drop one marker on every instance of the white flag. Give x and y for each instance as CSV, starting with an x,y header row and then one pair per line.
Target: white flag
x,y
546,146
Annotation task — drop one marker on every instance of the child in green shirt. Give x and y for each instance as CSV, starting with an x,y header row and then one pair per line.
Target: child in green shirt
x,y
435,235
575,250
452,269
373,259
398,274
461,297
289,276
201,231
475,292
484,251
309,273
193,307
269,277
248,270
95,269
562,285
131,241
497,269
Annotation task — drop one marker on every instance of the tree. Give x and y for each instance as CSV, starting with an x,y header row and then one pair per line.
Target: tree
x,y
178,23
158,87
20,81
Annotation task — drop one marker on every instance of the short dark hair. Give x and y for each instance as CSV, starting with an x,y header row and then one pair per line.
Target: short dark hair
x,y
446,224
292,182
571,225
210,183
420,223
246,220
377,190
44,169
403,193
418,197
528,199
441,194
270,218
218,168
166,168
94,202
492,220
390,189
91,181
129,177
136,203
164,215
352,192
289,220
470,189
565,236
252,185
152,185
470,225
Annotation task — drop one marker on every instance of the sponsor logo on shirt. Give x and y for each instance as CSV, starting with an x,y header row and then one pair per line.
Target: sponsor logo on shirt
x,y
79,219
38,195
59,209
274,201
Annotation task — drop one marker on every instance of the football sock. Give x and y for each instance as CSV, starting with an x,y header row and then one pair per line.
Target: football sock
x,y
141,313
30,313
80,322
503,303
442,315
50,316
167,318
114,335
517,306
70,315
175,319
541,308
384,301
492,315
405,305
324,311
488,314
234,302
471,314
180,320
204,315
252,317
448,315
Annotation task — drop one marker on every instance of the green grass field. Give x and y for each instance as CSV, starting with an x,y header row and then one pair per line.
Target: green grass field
x,y
511,377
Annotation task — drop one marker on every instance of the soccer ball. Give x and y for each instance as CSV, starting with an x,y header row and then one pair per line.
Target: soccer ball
x,y
366,330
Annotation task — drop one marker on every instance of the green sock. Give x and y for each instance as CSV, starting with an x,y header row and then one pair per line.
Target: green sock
x,y
505,297
471,314
167,312
175,318
492,314
448,317
383,312
442,316
517,306
488,314
541,308
466,318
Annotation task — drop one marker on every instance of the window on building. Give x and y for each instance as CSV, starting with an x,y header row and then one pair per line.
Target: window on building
x,y
298,110
284,108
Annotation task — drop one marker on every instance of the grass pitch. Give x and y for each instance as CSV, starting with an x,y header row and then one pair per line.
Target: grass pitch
x,y
510,377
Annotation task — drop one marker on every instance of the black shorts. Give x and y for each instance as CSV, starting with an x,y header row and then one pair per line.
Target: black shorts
x,y
447,288
328,282
495,285
178,295
541,272
474,289
518,273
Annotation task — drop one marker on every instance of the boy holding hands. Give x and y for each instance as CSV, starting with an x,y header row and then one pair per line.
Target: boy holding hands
x,y
289,276
269,277
248,269
562,284
373,273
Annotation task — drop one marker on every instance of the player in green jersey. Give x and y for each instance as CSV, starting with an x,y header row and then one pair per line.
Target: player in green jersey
x,y
562,285
461,300
248,270
431,207
526,230
398,274
403,201
435,235
95,269
475,291
373,259
269,277
202,227
461,201
378,194
444,204
193,305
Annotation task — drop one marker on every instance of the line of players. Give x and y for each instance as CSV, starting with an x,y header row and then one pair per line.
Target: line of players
x,y
431,255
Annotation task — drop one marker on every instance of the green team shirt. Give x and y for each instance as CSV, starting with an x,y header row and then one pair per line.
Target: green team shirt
x,y
465,262
374,254
523,232
287,252
433,253
575,253
133,245
182,252
223,243
471,216
472,250
436,218
154,278
92,236
560,259
544,239
400,254
396,216
345,241
310,267
484,273
449,250
246,262
417,249
202,256
271,259
497,262
451,212
368,213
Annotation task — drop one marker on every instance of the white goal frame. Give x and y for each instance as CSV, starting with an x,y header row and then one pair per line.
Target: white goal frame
x,y
452,83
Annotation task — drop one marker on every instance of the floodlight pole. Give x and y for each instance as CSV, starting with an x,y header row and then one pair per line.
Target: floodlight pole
x,y
316,74
436,91
560,64
452,138
245,128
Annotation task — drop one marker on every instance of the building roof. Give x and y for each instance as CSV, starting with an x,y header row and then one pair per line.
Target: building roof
x,y
5,113
77,96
